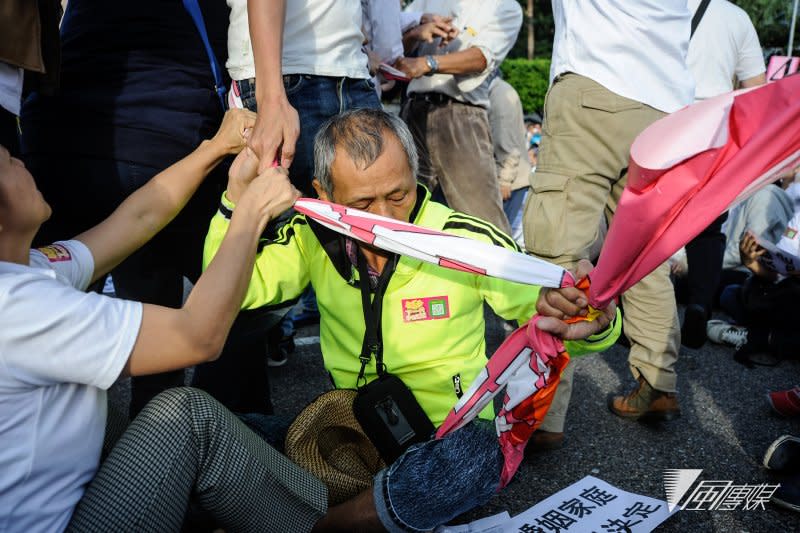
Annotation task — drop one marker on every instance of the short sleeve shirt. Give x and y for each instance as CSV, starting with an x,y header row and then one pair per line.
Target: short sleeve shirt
x,y
60,349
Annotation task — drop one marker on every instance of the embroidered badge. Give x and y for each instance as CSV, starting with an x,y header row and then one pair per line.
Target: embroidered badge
x,y
790,233
431,308
55,253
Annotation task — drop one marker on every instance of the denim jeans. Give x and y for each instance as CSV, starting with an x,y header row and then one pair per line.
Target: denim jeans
x,y
316,99
435,481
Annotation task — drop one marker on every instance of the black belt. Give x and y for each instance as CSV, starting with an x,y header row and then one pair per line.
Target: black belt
x,y
434,98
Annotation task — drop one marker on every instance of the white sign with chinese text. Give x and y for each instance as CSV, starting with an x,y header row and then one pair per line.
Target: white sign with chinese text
x,y
592,505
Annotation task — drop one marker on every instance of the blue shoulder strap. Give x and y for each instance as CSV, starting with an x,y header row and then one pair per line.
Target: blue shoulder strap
x,y
197,16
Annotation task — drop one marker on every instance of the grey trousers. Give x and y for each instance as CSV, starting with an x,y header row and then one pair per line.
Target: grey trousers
x,y
182,444
454,142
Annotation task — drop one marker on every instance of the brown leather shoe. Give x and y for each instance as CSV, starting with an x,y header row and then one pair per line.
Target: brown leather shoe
x,y
646,402
542,441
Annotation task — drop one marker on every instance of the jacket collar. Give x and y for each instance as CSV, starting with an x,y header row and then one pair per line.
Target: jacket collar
x,y
334,243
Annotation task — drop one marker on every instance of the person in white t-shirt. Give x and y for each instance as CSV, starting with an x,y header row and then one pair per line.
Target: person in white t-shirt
x,y
724,53
308,59
617,67
61,348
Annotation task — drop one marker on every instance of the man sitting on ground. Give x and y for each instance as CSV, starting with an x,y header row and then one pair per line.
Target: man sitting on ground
x,y
366,159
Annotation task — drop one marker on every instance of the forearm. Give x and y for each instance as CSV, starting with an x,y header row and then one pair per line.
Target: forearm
x,y
171,339
469,61
266,18
755,81
217,297
145,212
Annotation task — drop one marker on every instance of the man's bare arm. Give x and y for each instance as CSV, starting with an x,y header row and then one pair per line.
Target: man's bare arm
x,y
755,81
278,125
469,61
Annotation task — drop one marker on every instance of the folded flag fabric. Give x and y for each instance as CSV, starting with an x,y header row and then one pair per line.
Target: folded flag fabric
x,y
439,248
688,168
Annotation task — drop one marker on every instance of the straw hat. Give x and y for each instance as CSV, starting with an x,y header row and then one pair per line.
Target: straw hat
x,y
327,440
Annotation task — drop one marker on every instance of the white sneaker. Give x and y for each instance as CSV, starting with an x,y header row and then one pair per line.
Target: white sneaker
x,y
722,332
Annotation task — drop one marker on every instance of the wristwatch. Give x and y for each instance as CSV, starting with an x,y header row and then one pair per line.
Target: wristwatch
x,y
433,65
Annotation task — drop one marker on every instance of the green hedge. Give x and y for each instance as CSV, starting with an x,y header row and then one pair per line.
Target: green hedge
x,y
530,77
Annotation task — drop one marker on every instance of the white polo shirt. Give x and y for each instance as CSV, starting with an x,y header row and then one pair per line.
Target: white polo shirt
x,y
725,45
634,48
488,25
320,37
60,349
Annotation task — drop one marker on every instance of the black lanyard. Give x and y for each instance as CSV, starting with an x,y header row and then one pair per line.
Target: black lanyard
x,y
373,339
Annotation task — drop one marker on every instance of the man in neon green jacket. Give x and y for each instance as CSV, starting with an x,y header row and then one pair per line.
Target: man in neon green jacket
x,y
432,321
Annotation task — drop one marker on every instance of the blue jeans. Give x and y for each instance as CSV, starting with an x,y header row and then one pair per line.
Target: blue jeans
x,y
316,99
513,210
436,481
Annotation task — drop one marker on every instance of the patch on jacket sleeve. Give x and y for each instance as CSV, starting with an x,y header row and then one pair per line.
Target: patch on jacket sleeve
x,y
430,308
56,253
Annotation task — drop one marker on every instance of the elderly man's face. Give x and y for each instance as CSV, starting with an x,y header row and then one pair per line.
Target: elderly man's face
x,y
387,187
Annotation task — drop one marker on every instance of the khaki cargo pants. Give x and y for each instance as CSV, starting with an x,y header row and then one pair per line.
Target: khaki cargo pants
x,y
582,170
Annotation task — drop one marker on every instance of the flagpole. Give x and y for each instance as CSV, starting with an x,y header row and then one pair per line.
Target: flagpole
x,y
791,30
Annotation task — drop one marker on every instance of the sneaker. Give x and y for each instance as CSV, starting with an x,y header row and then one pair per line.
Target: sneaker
x,y
785,402
722,332
693,331
788,494
783,454
279,347
645,402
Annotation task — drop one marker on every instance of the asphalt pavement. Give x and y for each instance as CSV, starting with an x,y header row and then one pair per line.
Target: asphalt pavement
x,y
724,429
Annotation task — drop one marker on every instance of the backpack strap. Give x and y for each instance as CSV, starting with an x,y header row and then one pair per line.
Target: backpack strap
x,y
698,16
193,8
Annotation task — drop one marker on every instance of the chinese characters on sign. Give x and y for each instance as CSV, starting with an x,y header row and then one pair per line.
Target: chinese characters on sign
x,y
592,505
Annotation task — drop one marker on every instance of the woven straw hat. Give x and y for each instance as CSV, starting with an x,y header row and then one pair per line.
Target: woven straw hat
x,y
327,440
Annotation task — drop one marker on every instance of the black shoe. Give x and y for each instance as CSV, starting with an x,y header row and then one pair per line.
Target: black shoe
x,y
278,347
693,332
788,494
783,454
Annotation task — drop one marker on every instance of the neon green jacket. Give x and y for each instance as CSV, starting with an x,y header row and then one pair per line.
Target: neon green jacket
x,y
432,320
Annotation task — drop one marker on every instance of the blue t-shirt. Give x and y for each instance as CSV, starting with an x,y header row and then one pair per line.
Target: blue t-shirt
x,y
136,83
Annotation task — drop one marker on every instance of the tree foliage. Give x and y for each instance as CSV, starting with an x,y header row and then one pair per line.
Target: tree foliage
x,y
530,78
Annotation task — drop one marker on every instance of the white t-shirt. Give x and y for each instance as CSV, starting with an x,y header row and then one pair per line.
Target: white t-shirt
x,y
724,45
320,37
634,48
60,349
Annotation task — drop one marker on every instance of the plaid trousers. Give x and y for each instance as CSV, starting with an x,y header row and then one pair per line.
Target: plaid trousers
x,y
183,444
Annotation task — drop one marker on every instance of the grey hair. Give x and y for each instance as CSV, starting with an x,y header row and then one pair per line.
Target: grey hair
x,y
359,133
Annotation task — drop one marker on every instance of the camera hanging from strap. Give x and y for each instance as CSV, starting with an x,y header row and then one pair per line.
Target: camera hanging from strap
x,y
386,409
